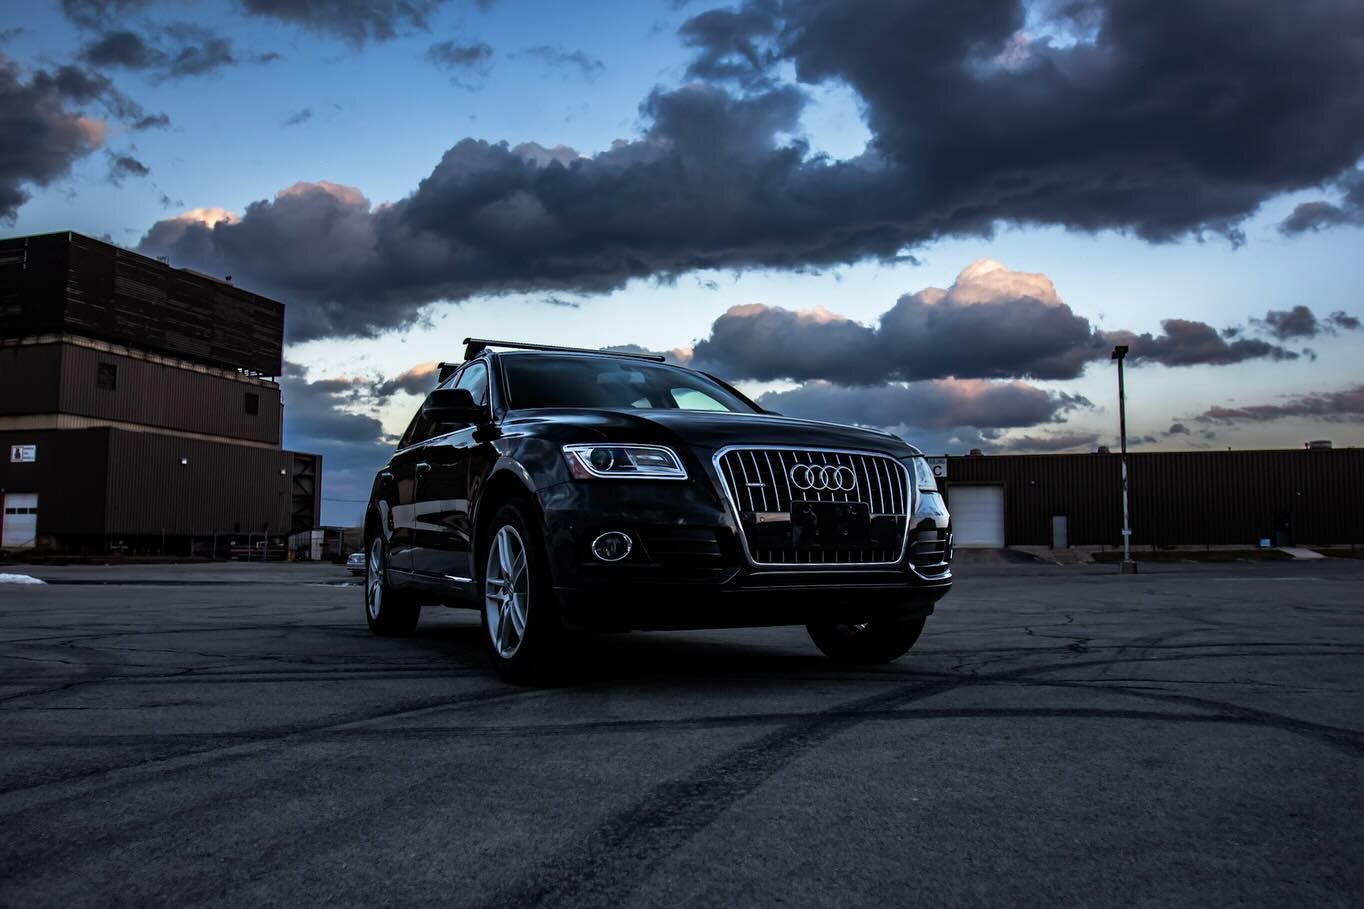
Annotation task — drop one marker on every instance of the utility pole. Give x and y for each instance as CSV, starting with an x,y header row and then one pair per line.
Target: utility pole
x,y
1128,566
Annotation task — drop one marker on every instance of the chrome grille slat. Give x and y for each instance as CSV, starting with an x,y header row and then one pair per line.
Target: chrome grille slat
x,y
882,484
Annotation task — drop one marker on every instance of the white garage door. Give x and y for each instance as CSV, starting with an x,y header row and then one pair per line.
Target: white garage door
x,y
977,516
21,521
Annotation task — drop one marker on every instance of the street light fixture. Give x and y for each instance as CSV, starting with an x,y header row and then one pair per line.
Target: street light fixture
x,y
1128,566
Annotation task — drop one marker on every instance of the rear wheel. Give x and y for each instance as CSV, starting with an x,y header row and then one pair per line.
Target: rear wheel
x,y
387,611
877,641
521,626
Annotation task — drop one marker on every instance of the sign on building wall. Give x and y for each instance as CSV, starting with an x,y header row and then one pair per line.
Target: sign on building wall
x,y
23,454
938,466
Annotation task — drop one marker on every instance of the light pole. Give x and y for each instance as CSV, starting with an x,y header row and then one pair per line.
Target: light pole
x,y
1128,566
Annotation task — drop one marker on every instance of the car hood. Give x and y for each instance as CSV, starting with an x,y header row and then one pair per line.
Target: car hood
x,y
707,429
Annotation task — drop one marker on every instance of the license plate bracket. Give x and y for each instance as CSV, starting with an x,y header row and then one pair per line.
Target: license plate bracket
x,y
830,525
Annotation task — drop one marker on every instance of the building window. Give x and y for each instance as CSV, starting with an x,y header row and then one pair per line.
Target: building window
x,y
252,403
106,376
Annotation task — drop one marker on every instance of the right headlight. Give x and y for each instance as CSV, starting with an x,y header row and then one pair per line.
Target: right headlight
x,y
626,462
923,476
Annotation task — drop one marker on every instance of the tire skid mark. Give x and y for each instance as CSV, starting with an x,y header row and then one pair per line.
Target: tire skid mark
x,y
602,868
196,757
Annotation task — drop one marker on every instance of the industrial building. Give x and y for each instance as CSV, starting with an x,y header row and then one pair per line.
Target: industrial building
x,y
139,407
1177,499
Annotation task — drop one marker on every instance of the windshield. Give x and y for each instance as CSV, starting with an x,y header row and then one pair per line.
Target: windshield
x,y
547,381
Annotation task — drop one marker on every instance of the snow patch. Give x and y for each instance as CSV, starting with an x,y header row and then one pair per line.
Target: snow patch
x,y
19,579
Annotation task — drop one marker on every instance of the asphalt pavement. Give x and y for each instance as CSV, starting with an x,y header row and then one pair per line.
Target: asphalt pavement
x,y
232,735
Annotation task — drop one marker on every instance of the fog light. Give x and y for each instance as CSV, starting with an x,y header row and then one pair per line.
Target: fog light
x,y
611,546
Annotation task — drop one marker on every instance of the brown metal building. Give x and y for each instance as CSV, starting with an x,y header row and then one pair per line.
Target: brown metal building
x,y
138,406
1194,498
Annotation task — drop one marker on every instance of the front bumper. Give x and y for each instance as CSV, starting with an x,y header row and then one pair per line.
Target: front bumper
x,y
688,567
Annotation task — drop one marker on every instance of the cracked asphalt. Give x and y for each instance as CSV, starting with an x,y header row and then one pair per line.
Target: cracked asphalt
x,y
233,736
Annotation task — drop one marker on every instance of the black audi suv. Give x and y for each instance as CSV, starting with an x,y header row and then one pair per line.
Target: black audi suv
x,y
562,492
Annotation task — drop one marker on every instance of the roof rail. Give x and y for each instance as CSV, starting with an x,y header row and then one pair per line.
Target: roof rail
x,y
475,346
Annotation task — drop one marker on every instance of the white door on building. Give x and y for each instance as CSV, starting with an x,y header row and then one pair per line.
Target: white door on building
x,y
20,530
977,516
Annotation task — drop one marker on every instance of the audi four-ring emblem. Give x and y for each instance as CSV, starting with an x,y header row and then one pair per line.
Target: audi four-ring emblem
x,y
823,478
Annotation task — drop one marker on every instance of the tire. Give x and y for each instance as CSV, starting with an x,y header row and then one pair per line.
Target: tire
x,y
388,612
521,628
878,641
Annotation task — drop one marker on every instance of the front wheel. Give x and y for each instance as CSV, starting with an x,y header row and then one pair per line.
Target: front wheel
x,y
521,627
388,612
877,641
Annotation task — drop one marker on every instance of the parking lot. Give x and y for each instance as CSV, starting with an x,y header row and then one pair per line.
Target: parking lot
x,y
233,735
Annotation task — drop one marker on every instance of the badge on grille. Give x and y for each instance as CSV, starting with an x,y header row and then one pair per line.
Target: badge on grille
x,y
823,478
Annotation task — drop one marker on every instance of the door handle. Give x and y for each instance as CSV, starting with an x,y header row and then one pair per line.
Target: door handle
x,y
423,468
386,477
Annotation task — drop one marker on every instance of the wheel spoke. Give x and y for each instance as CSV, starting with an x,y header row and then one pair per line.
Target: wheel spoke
x,y
518,570
504,558
517,610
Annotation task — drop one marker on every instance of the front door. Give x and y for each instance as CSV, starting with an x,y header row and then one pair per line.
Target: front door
x,y
441,527
441,524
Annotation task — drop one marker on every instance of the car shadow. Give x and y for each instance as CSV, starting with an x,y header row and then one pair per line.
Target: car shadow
x,y
724,657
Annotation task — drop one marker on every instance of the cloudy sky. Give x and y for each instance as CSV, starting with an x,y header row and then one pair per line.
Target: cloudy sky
x,y
933,217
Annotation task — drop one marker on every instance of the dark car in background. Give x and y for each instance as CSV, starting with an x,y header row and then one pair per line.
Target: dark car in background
x,y
563,491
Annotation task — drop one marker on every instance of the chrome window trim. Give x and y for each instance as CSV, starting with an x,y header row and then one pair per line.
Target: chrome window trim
x,y
911,502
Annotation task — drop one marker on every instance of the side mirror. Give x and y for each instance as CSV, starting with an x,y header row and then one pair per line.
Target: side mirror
x,y
452,405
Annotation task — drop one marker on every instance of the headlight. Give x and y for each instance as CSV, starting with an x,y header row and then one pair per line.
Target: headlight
x,y
923,476
631,462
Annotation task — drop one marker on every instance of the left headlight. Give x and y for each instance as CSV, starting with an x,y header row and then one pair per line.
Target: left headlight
x,y
627,462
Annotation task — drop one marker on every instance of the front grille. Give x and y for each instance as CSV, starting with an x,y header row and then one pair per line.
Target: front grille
x,y
759,485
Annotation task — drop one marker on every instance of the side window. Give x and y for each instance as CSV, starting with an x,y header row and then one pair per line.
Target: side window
x,y
475,380
692,399
252,403
106,376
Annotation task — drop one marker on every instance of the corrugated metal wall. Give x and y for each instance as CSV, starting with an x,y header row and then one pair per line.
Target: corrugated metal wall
x,y
1177,498
161,395
69,283
223,487
29,379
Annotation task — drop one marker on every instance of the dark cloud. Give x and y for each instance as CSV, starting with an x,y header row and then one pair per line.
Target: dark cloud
x,y
461,60
125,165
302,116
1177,429
40,135
732,44
1301,322
418,380
124,49
1187,343
182,49
199,51
1052,442
1319,214
942,404
356,21
991,323
152,121
1163,126
576,60
1346,405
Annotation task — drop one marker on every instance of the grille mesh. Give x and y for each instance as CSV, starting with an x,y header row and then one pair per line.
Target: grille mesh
x,y
758,480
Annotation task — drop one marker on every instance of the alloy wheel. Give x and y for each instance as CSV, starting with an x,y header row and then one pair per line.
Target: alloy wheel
x,y
506,591
374,583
